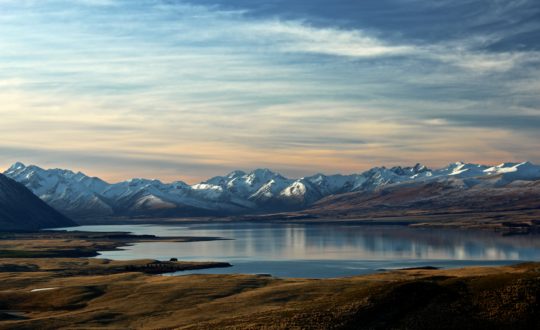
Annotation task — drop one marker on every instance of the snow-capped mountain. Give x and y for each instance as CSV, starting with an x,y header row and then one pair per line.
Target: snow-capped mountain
x,y
77,194
67,191
509,172
22,210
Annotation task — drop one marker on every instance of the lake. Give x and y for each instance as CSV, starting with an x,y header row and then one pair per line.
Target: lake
x,y
324,251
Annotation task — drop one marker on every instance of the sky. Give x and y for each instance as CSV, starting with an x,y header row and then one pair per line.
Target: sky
x,y
187,90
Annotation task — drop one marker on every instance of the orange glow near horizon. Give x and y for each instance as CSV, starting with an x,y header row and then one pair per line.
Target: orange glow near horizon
x,y
189,91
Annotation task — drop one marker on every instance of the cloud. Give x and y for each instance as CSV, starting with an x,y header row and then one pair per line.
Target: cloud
x,y
299,37
187,85
516,122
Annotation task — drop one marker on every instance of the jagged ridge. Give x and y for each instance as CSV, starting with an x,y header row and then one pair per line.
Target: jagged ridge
x,y
22,210
238,192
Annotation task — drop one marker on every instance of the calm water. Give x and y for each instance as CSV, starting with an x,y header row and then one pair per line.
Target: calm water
x,y
322,251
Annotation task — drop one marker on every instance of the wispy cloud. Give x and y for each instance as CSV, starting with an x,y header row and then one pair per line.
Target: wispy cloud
x,y
191,84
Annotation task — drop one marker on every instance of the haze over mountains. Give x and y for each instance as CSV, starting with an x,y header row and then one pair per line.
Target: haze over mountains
x,y
264,191
22,210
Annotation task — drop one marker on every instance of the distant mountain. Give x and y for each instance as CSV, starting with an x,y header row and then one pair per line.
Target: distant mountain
x,y
456,196
238,192
20,209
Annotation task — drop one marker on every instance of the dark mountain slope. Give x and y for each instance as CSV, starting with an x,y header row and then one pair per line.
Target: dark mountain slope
x,y
20,209
518,202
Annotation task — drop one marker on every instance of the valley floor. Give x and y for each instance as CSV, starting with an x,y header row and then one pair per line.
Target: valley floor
x,y
481,298
42,288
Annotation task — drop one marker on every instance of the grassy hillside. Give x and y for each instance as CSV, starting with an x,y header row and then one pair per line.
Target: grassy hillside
x,y
474,298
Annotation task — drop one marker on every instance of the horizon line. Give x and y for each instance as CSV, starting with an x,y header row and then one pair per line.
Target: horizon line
x,y
247,172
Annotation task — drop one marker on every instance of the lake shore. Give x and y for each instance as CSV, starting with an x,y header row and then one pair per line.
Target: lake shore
x,y
519,222
48,288
73,244
81,293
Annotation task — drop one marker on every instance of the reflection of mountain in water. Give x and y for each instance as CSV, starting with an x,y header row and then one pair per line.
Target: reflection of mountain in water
x,y
327,250
333,242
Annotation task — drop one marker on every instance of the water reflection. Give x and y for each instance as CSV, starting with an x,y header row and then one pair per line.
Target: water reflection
x,y
327,250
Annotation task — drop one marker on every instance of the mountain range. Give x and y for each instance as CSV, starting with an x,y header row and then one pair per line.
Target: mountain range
x,y
260,191
22,210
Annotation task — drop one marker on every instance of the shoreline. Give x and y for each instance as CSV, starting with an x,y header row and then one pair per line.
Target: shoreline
x,y
81,245
467,297
56,291
460,221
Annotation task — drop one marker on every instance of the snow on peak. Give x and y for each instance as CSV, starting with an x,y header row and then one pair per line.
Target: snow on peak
x,y
69,191
236,174
461,170
515,171
261,175
296,189
204,186
153,202
510,167
141,182
418,168
16,167
409,171
224,180
269,190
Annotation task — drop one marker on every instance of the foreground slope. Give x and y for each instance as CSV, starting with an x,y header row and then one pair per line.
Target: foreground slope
x,y
471,298
20,209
